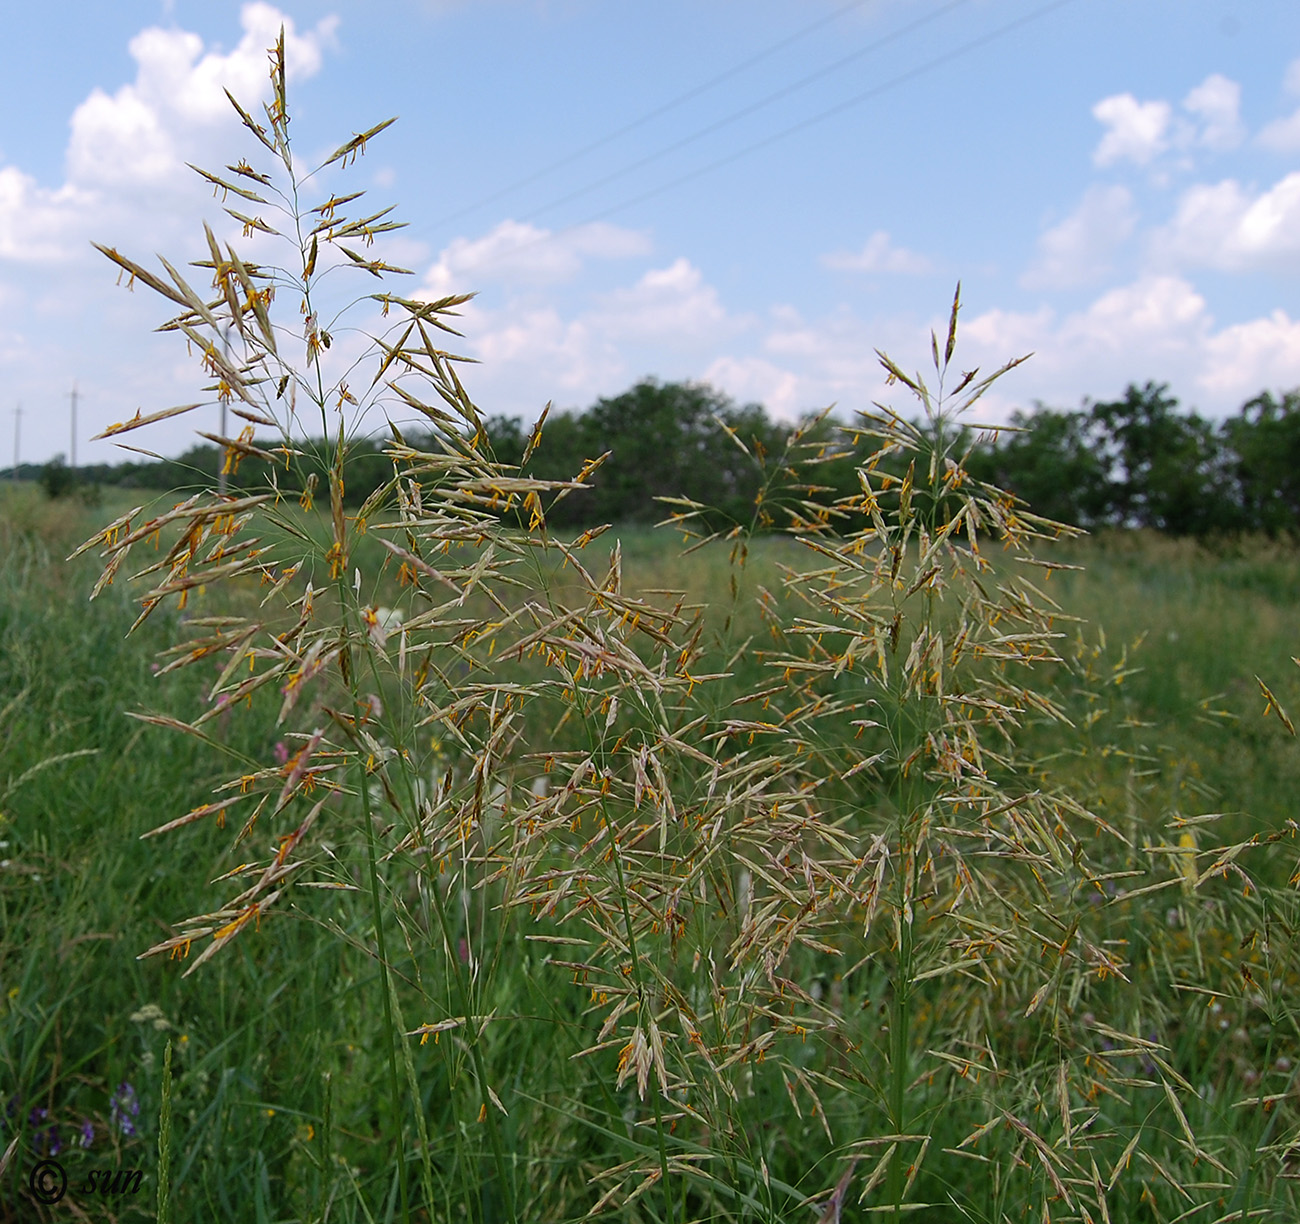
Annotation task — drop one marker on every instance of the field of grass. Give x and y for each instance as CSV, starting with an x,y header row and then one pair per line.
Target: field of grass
x,y
1166,1090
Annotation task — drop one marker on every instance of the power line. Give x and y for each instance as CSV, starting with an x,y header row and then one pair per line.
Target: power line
x,y
902,78
803,83
641,120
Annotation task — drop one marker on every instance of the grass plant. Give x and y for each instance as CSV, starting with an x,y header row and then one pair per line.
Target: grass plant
x,y
834,868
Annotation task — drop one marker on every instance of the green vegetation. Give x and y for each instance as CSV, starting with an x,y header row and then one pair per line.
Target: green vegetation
x,y
428,861
1134,462
285,1024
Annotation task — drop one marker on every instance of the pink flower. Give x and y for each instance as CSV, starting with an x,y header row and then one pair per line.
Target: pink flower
x,y
281,753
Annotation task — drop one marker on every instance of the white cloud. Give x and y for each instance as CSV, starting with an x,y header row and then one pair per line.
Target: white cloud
x,y
1076,252
132,137
667,304
879,255
1157,327
1246,358
35,222
750,379
1225,226
668,321
125,159
518,252
1291,81
1000,334
1130,333
1135,131
1217,101
126,184
558,355
1140,132
1281,135
1157,313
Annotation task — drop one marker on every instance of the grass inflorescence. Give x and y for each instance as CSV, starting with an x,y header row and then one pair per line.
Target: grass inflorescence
x,y
835,866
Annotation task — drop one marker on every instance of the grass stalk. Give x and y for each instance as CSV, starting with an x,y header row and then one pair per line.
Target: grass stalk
x,y
165,1141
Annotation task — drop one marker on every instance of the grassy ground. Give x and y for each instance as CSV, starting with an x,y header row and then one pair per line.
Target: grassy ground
x,y
277,1050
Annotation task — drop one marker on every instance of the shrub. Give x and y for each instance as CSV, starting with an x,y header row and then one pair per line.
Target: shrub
x,y
57,478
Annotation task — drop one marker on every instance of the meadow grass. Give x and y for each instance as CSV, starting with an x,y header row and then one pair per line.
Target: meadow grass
x,y
275,1113
835,871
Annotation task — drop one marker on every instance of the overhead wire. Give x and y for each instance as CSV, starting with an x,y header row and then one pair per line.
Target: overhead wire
x,y
902,78
875,91
735,116
662,109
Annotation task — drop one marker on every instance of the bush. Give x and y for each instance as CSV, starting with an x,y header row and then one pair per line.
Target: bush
x,y
57,478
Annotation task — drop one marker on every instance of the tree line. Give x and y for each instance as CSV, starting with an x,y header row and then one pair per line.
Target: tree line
x,y
1137,461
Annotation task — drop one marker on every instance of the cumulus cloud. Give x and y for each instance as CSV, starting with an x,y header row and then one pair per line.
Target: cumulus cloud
x,y
1226,226
1154,327
672,303
1291,79
560,355
126,154
1247,357
879,255
751,379
1139,132
36,222
1135,131
1157,313
1077,251
668,320
1216,101
132,137
1281,135
1158,326
518,252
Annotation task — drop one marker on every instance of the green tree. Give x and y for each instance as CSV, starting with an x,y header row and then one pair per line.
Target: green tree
x,y
57,478
1263,455
1166,469
1051,462
664,440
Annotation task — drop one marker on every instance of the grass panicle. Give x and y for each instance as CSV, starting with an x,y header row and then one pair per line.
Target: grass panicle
x,y
832,867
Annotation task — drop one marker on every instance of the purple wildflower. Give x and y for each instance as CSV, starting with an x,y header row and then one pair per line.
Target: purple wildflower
x,y
53,1144
124,1108
87,1133
281,753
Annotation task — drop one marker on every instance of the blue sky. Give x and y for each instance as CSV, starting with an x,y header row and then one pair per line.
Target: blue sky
x,y
787,187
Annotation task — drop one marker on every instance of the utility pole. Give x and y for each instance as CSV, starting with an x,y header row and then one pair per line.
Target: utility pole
x,y
18,421
73,397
